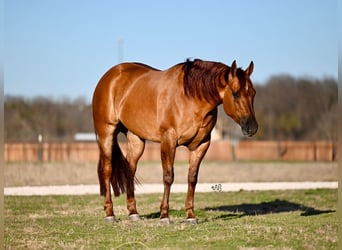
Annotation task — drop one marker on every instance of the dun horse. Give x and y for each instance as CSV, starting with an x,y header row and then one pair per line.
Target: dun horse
x,y
174,107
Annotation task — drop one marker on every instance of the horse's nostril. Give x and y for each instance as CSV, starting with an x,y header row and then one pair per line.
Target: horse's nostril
x,y
254,128
249,126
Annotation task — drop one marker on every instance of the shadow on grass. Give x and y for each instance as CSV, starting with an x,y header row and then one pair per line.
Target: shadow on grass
x,y
238,211
151,215
172,212
276,206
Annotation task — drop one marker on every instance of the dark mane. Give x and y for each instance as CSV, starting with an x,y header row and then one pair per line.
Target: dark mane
x,y
200,79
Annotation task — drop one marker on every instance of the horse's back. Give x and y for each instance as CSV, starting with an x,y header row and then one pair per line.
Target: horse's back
x,y
124,74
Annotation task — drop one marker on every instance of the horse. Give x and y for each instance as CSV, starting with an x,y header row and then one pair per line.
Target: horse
x,y
174,107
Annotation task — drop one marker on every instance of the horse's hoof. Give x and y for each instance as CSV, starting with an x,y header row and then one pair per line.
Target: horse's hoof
x,y
165,221
134,217
191,221
110,219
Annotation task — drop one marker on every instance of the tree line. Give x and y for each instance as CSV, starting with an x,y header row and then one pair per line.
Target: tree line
x,y
25,119
287,108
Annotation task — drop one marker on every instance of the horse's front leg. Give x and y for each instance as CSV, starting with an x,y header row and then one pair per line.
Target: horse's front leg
x,y
196,157
135,148
168,150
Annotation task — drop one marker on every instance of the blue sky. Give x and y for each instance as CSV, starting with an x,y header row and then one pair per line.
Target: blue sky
x,y
60,48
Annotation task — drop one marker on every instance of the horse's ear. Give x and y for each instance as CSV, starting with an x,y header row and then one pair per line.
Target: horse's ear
x,y
233,68
250,68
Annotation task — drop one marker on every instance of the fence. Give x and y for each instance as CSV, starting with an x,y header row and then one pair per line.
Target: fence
x,y
218,151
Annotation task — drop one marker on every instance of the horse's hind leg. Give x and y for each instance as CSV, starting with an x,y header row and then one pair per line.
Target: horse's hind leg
x,y
135,148
105,142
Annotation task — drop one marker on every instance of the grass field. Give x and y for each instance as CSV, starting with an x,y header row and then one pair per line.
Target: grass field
x,y
303,219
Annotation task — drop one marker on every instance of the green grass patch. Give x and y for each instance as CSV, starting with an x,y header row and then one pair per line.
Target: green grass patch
x,y
299,219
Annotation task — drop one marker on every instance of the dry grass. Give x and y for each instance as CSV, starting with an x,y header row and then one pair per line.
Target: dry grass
x,y
33,174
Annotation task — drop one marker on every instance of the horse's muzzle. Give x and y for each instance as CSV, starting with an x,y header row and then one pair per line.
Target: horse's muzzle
x,y
249,126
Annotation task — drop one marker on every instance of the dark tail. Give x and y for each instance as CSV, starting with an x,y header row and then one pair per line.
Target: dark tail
x,y
122,179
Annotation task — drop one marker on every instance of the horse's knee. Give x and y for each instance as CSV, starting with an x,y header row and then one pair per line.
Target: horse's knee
x,y
168,177
192,178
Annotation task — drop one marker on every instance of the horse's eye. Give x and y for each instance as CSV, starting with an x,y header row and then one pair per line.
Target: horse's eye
x,y
236,95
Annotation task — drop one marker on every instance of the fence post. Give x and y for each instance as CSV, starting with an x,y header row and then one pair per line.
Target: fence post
x,y
315,151
40,147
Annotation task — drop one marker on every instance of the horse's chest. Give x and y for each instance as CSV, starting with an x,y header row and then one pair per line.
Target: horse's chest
x,y
198,131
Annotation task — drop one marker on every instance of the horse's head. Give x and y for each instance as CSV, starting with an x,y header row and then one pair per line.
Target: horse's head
x,y
238,99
